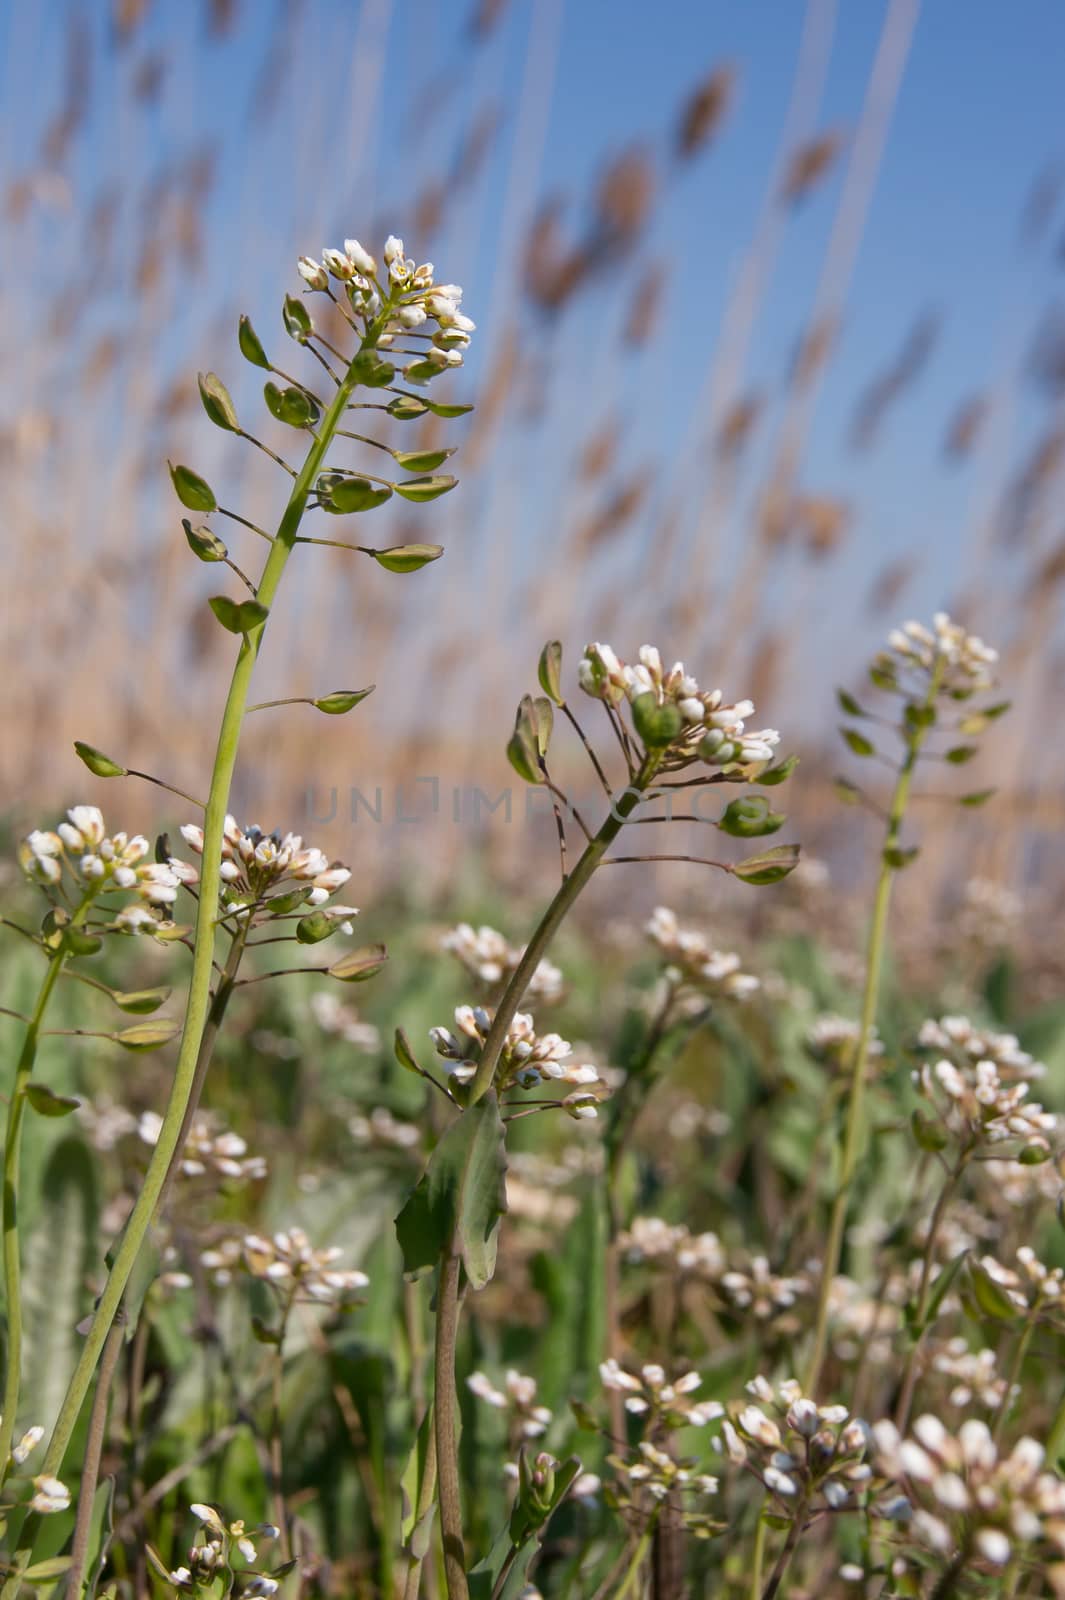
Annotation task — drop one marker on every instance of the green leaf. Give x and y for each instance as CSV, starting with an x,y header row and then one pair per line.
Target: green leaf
x,y
440,410
147,1035
421,489
342,700
656,725
486,1575
527,744
460,1198
140,1002
990,1296
414,1534
47,1103
750,818
978,797
60,1259
344,493
896,858
960,754
358,965
99,765
421,460
240,618
291,405
250,345
942,1287
54,1567
192,490
405,1055
549,671
297,319
315,927
928,1132
407,407
778,774
849,704
203,543
372,370
407,557
769,866
858,742
217,403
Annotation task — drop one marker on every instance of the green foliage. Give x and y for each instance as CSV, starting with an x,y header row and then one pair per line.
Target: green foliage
x,y
459,1201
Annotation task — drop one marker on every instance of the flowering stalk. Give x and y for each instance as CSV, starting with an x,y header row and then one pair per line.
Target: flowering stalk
x,y
180,1102
853,1129
16,1108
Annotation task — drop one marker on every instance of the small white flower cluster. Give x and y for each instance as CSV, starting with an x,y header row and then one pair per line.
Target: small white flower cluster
x,y
966,1495
648,1394
99,863
660,1475
964,661
706,728
50,1495
382,1128
207,1151
1034,1285
289,1264
804,1449
333,1016
832,1040
211,1556
527,1058
765,1295
661,1244
975,1105
958,1035
864,1326
693,960
487,955
254,862
973,1373
517,1398
409,292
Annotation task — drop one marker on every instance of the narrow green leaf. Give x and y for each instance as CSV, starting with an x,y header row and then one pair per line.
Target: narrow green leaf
x,y
549,670
960,754
251,345
47,1103
203,543
991,1297
147,1035
53,1567
421,460
240,618
978,797
441,410
99,765
407,557
192,490
858,742
358,965
297,319
749,817
217,402
140,1002
342,700
849,704
421,489
405,1055
769,866
778,774
461,1197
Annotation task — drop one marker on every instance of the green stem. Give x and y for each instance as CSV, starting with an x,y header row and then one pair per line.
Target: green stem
x,y
90,1477
196,1012
909,1376
1016,1367
639,1555
445,1422
622,808
761,1533
853,1136
16,1108
783,1561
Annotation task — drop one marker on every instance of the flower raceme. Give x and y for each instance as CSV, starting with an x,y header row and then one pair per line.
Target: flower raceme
x,y
692,960
964,661
254,863
526,1060
670,712
414,298
97,862
486,955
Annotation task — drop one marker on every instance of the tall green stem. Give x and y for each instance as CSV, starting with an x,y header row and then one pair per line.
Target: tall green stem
x,y
196,1012
16,1108
448,1300
855,1126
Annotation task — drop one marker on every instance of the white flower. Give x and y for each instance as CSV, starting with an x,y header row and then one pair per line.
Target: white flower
x,y
360,258
312,272
50,1495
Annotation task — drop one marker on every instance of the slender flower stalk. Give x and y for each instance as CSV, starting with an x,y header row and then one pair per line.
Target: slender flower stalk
x,y
854,1126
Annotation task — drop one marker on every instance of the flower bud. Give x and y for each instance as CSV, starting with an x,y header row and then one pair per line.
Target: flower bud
x,y
312,272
